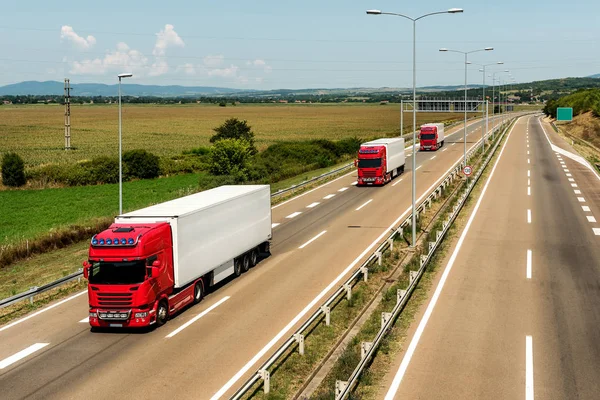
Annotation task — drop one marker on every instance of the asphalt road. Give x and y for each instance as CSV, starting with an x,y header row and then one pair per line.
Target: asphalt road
x,y
53,354
515,313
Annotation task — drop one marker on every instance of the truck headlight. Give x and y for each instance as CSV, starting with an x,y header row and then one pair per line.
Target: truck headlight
x,y
141,314
93,315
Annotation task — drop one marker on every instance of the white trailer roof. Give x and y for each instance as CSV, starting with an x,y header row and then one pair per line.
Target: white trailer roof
x,y
195,202
379,142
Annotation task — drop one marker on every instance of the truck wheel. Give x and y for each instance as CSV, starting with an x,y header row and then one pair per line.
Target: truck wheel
x,y
162,313
253,258
246,262
198,291
237,267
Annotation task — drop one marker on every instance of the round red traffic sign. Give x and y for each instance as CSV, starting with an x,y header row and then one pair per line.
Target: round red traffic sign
x,y
468,170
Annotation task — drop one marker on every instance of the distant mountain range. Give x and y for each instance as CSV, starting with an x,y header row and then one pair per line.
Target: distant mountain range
x,y
594,76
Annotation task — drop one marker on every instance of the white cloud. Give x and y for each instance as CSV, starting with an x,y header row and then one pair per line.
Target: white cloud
x,y
229,72
188,69
116,61
165,38
67,33
213,61
258,63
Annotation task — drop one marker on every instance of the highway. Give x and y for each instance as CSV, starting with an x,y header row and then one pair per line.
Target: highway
x,y
514,313
208,350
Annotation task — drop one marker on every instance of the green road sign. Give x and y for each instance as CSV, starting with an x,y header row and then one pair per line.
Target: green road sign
x,y
564,114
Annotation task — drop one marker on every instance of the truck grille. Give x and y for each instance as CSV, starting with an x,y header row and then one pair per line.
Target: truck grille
x,y
115,299
368,174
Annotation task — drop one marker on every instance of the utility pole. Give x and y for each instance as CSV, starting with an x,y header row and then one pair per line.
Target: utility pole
x,y
67,114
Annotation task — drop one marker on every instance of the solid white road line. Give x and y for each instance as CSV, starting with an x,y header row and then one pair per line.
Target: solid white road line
x,y
312,240
528,216
419,332
313,205
581,199
397,182
529,264
528,368
596,231
22,354
364,205
329,196
577,191
343,189
312,190
591,218
418,167
292,215
85,320
197,317
42,311
586,208
328,288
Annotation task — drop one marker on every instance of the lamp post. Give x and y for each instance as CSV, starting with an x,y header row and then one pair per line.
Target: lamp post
x,y
483,133
121,76
466,53
414,163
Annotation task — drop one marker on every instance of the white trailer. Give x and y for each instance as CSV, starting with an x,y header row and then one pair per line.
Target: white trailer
x,y
212,228
394,152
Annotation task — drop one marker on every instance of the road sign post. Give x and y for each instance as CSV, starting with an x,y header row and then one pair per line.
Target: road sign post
x,y
468,170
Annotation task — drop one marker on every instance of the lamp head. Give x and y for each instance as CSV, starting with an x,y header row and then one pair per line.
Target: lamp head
x,y
374,12
489,48
455,10
443,49
125,75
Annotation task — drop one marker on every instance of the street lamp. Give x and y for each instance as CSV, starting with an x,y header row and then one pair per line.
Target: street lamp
x,y
485,103
121,76
466,63
414,163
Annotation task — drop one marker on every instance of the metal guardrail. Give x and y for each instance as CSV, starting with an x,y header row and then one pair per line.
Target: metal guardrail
x,y
309,181
34,291
262,373
343,388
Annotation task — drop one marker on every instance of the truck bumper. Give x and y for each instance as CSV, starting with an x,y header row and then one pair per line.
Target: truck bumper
x,y
135,318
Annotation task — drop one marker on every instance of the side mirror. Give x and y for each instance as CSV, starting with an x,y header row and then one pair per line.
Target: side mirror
x,y
86,271
154,270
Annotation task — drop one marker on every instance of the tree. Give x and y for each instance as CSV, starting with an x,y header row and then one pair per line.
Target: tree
x,y
233,128
13,170
141,164
230,157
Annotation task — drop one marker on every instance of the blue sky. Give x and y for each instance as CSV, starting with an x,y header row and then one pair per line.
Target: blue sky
x,y
301,44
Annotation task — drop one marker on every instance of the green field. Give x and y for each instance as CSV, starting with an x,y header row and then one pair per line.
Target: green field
x,y
36,132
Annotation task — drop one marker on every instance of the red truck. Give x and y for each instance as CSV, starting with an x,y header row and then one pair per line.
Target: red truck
x,y
431,136
152,263
379,161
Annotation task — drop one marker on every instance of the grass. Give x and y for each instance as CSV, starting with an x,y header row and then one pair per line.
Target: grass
x,y
36,132
27,214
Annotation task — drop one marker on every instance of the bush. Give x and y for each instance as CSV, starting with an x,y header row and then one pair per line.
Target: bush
x,y
140,164
229,157
102,170
13,170
233,128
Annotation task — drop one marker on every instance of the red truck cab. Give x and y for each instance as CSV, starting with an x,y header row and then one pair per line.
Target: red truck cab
x,y
372,165
431,137
130,271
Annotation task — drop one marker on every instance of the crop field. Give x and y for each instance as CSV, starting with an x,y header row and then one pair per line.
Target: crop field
x,y
36,132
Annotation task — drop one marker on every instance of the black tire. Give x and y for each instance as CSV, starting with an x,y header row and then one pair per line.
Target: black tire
x,y
198,291
237,267
246,262
162,313
253,258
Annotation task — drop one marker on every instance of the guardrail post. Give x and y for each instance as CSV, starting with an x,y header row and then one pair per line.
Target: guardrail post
x,y
423,259
348,291
266,377
400,293
438,235
32,289
413,274
365,272
340,386
378,254
431,246
385,317
80,270
364,349
391,243
327,311
300,340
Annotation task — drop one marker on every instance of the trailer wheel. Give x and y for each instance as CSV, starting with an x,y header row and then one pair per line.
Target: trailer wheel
x,y
198,291
162,313
237,267
246,262
253,258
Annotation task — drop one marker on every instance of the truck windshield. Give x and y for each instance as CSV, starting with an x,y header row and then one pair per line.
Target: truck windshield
x,y
369,163
115,273
428,136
